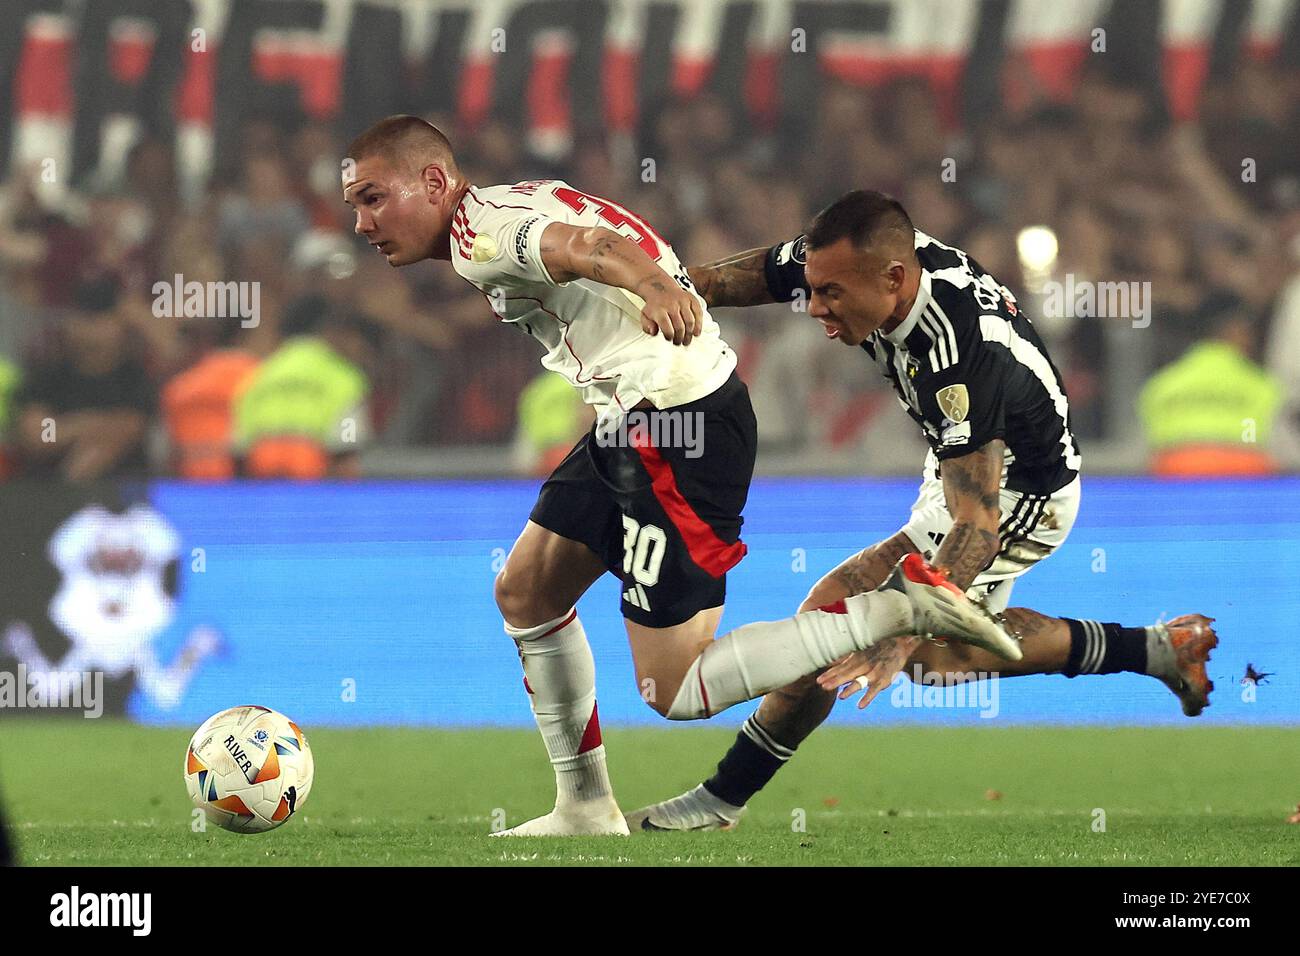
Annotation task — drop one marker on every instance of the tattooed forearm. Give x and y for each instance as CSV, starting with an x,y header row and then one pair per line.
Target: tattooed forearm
x,y
1026,623
974,479
597,253
971,489
609,259
735,281
866,570
966,551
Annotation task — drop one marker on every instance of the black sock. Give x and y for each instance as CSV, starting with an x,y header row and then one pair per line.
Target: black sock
x,y
1097,648
751,762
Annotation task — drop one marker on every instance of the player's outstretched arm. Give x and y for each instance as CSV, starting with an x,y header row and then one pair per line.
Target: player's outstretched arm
x,y
971,488
737,280
971,485
602,255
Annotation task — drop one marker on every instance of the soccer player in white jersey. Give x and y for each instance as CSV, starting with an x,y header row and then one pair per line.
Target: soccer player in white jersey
x,y
1000,490
617,316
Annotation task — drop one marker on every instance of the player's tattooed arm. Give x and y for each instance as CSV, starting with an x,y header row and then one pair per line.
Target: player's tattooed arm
x,y
971,485
867,569
603,255
738,280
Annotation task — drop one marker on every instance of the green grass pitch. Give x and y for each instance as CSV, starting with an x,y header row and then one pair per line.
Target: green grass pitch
x,y
109,792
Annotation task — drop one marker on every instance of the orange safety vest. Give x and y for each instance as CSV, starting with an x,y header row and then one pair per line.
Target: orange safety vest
x,y
287,456
196,408
1205,461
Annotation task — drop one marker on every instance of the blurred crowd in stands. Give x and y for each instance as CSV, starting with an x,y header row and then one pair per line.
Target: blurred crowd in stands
x,y
347,354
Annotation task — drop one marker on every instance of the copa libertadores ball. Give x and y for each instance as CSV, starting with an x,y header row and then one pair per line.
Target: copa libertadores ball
x,y
249,769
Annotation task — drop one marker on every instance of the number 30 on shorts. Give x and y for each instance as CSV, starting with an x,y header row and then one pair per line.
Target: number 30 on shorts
x,y
643,551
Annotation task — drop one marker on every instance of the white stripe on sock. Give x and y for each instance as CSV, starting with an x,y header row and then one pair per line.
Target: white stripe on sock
x,y
1097,647
751,729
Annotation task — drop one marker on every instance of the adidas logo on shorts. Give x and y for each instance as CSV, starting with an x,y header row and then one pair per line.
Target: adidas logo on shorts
x,y
636,596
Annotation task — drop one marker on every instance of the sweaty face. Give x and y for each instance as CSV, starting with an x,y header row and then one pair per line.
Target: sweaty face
x,y
853,293
397,212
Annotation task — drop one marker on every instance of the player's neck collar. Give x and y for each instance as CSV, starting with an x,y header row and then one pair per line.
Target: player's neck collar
x,y
904,328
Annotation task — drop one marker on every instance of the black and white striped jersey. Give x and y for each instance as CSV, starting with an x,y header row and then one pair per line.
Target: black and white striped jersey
x,y
967,365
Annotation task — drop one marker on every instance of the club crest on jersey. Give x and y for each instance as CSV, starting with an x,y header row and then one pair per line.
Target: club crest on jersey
x,y
954,402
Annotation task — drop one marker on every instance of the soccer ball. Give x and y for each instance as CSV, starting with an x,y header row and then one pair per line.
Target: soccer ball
x,y
248,769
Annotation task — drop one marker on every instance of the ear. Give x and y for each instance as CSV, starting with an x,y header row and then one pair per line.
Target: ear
x,y
435,180
897,273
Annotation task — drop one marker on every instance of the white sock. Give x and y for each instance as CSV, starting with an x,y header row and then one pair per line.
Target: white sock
x,y
560,677
757,658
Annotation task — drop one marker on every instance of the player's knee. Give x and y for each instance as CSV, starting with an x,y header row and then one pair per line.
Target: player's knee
x,y
662,707
677,694
516,601
658,695
503,592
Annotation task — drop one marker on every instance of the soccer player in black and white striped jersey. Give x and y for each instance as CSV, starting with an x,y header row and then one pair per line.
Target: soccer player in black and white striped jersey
x,y
1000,487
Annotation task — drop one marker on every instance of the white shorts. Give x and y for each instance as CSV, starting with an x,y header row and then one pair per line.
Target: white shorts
x,y
1032,527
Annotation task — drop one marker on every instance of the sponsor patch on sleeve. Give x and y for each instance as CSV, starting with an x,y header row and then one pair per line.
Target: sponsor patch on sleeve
x,y
521,239
793,251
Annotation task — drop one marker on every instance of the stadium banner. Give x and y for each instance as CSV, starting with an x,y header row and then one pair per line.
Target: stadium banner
x,y
81,82
371,603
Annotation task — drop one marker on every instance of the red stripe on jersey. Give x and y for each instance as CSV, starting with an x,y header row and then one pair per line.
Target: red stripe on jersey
x,y
465,235
704,546
464,223
457,233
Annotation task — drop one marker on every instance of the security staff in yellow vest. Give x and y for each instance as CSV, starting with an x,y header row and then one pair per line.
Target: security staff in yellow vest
x,y
1212,411
303,413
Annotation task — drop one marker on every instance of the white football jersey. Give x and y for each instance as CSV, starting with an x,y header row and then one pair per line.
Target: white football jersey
x,y
591,331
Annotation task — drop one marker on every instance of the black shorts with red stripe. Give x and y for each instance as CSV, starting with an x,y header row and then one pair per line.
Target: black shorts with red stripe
x,y
661,502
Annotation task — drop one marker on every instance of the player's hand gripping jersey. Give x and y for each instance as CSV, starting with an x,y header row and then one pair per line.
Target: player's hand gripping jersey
x,y
967,365
591,332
